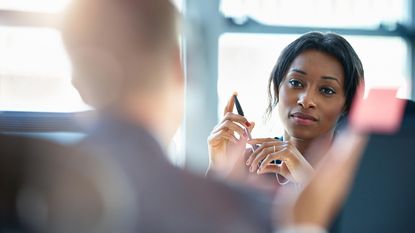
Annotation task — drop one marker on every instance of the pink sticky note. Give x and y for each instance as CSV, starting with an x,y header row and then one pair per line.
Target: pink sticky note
x,y
380,112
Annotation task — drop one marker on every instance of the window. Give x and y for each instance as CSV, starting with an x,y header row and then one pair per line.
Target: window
x,y
318,13
34,69
41,6
35,72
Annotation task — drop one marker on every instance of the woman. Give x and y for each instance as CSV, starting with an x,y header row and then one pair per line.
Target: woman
x,y
312,85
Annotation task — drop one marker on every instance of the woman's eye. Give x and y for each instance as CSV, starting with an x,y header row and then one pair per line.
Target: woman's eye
x,y
327,91
295,83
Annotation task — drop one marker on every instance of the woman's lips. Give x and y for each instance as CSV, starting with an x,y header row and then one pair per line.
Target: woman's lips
x,y
303,118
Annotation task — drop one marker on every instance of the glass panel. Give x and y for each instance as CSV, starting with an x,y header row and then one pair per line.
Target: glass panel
x,y
318,13
385,60
246,61
35,72
178,4
46,6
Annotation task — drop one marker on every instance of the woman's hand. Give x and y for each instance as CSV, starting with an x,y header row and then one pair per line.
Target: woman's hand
x,y
295,167
324,194
227,141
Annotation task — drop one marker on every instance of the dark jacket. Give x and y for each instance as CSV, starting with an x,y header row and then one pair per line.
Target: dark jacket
x,y
170,199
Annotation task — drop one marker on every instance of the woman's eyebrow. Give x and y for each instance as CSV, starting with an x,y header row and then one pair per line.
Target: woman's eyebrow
x,y
330,78
298,71
323,77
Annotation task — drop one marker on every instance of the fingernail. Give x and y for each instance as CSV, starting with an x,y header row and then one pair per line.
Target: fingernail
x,y
251,169
248,124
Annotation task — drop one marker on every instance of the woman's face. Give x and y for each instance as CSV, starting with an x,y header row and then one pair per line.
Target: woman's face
x,y
311,96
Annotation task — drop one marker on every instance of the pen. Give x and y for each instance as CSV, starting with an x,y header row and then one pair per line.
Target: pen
x,y
238,105
241,112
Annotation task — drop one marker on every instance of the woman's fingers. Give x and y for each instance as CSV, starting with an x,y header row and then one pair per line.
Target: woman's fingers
x,y
278,146
265,152
276,169
277,155
248,152
267,160
235,119
265,140
273,168
230,116
253,155
258,158
229,105
294,167
251,127
231,138
231,127
218,137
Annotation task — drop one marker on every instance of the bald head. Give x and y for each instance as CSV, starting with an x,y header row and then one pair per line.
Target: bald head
x,y
117,45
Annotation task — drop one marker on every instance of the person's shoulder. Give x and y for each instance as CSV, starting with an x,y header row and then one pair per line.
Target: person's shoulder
x,y
229,204
112,132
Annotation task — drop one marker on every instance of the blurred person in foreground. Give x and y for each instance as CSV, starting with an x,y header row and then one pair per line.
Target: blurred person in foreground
x,y
126,64
49,188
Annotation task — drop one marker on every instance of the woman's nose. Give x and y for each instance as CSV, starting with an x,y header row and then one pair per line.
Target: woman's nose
x,y
306,100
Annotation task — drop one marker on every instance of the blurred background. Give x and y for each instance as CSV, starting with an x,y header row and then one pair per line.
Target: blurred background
x,y
227,46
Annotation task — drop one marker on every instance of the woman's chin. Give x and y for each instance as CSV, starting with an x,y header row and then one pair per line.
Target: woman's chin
x,y
302,134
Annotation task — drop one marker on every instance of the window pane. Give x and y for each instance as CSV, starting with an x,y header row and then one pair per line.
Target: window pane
x,y
178,4
246,62
46,6
319,13
385,61
35,72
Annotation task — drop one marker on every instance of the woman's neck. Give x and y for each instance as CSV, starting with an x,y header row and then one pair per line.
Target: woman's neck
x,y
308,147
